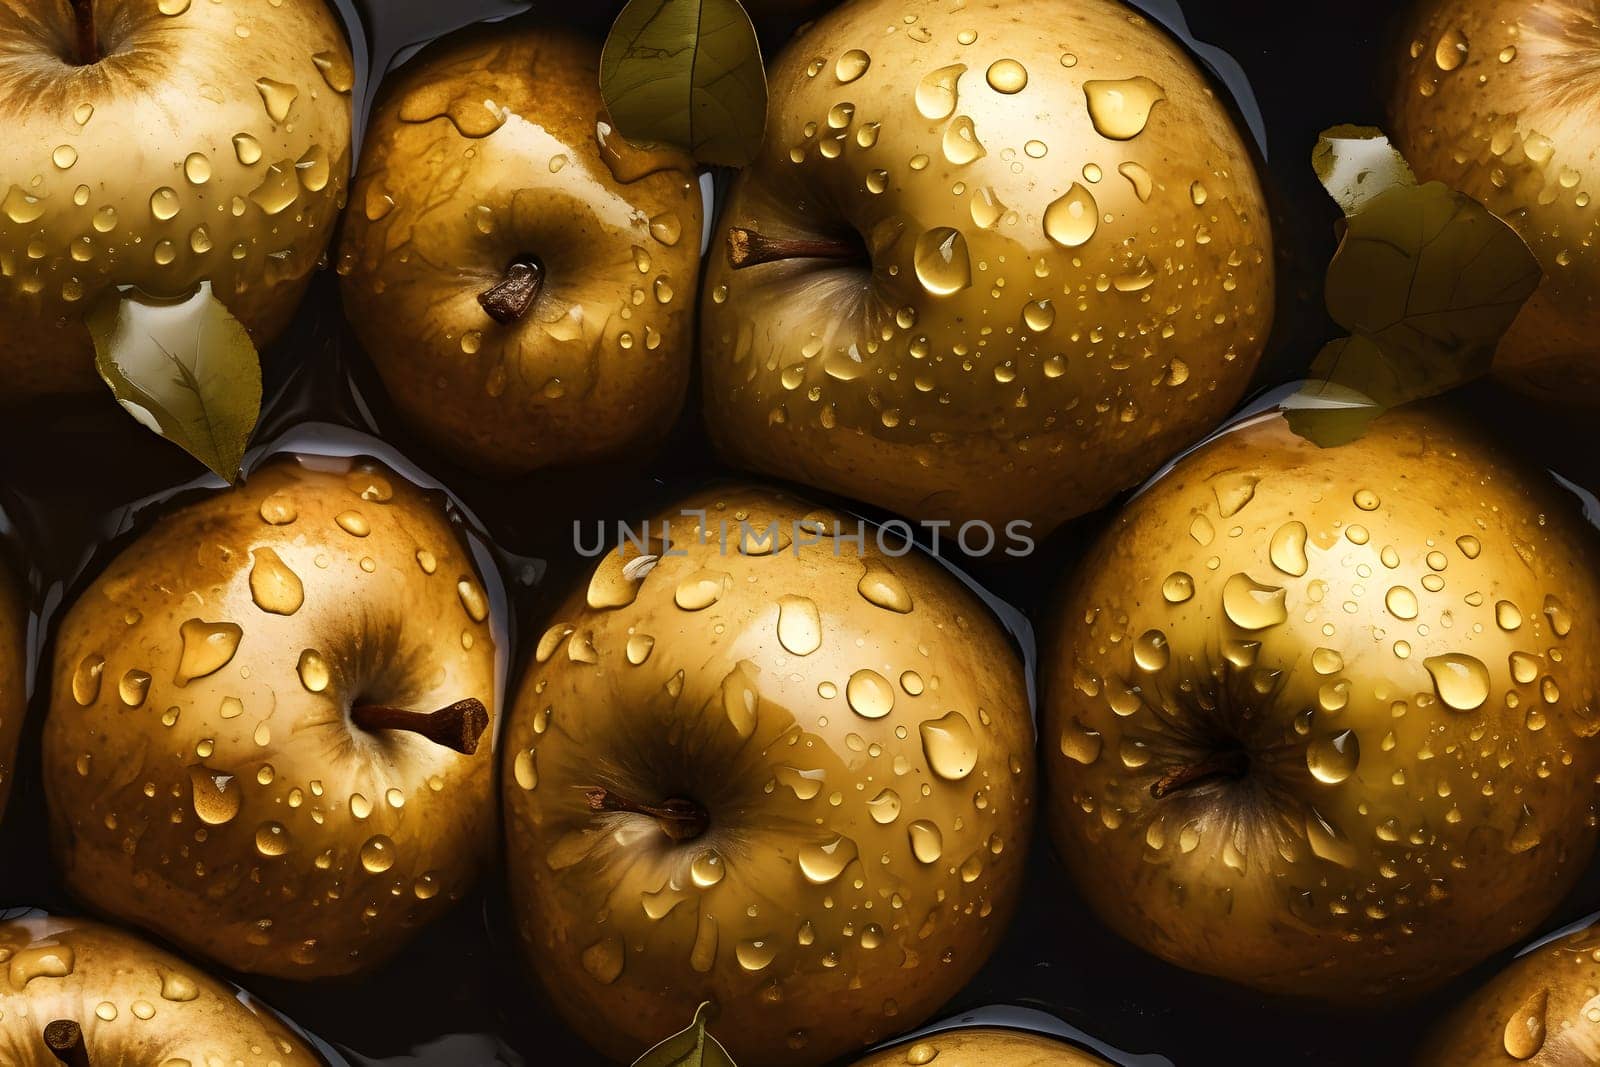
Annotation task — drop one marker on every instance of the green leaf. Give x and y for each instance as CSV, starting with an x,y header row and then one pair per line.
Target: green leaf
x,y
184,368
1357,163
687,73
1432,279
690,1047
1328,414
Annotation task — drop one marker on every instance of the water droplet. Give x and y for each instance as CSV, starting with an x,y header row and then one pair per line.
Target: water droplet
x,y
960,143
377,854
950,746
336,71
1328,843
799,625
274,587
64,157
707,868
247,149
1038,315
1333,759
197,168
755,954
1251,605
1401,602
272,839
215,796
881,587
1461,681
172,7
1556,612
1451,50
700,590
936,92
1143,184
851,65
133,687
207,648
313,169
869,694
741,701
525,770
313,671
1120,109
885,807
1007,76
927,843
1151,652
1081,744
86,679
1470,546
1506,615
1288,549
823,863
1525,1031
20,207
1177,588
278,189
941,261
277,97
1072,219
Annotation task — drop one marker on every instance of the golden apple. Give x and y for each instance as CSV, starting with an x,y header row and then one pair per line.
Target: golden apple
x,y
157,144
983,1046
264,731
521,277
13,676
1320,721
1543,1009
778,770
991,263
80,993
1497,98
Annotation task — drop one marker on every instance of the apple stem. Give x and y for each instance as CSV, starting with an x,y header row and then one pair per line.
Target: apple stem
x,y
681,820
65,1038
459,726
748,248
509,299
1230,764
88,39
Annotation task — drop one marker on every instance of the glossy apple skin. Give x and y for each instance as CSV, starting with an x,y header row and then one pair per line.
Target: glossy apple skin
x,y
166,106
166,1011
1387,833
13,676
378,832
983,1046
1512,125
802,911
1539,1010
863,381
600,363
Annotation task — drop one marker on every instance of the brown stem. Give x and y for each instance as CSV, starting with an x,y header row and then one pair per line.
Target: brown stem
x,y
459,726
748,248
88,42
509,300
1230,764
681,820
65,1038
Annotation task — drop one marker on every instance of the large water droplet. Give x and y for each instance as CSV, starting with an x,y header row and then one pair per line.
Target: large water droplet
x,y
941,261
936,92
1007,76
1251,605
1461,681
207,648
882,588
313,671
1525,1031
215,796
86,679
950,746
274,587
1072,219
1451,50
1120,109
824,862
1333,759
927,843
277,97
799,625
851,65
740,700
1288,549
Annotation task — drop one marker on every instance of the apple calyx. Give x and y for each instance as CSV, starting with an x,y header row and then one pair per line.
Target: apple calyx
x,y
751,248
88,41
1232,763
679,819
508,300
459,726
64,1038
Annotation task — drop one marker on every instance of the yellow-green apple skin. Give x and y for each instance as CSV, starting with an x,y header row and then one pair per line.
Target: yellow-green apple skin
x,y
1497,98
853,730
1542,1009
1321,721
983,1046
207,773
208,141
1058,261
494,147
132,1002
13,676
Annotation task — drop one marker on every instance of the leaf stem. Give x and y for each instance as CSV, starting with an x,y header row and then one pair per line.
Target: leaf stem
x,y
511,298
88,41
679,819
459,726
64,1038
1232,763
750,248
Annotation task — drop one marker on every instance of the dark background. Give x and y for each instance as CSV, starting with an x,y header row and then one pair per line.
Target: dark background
x,y
66,470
